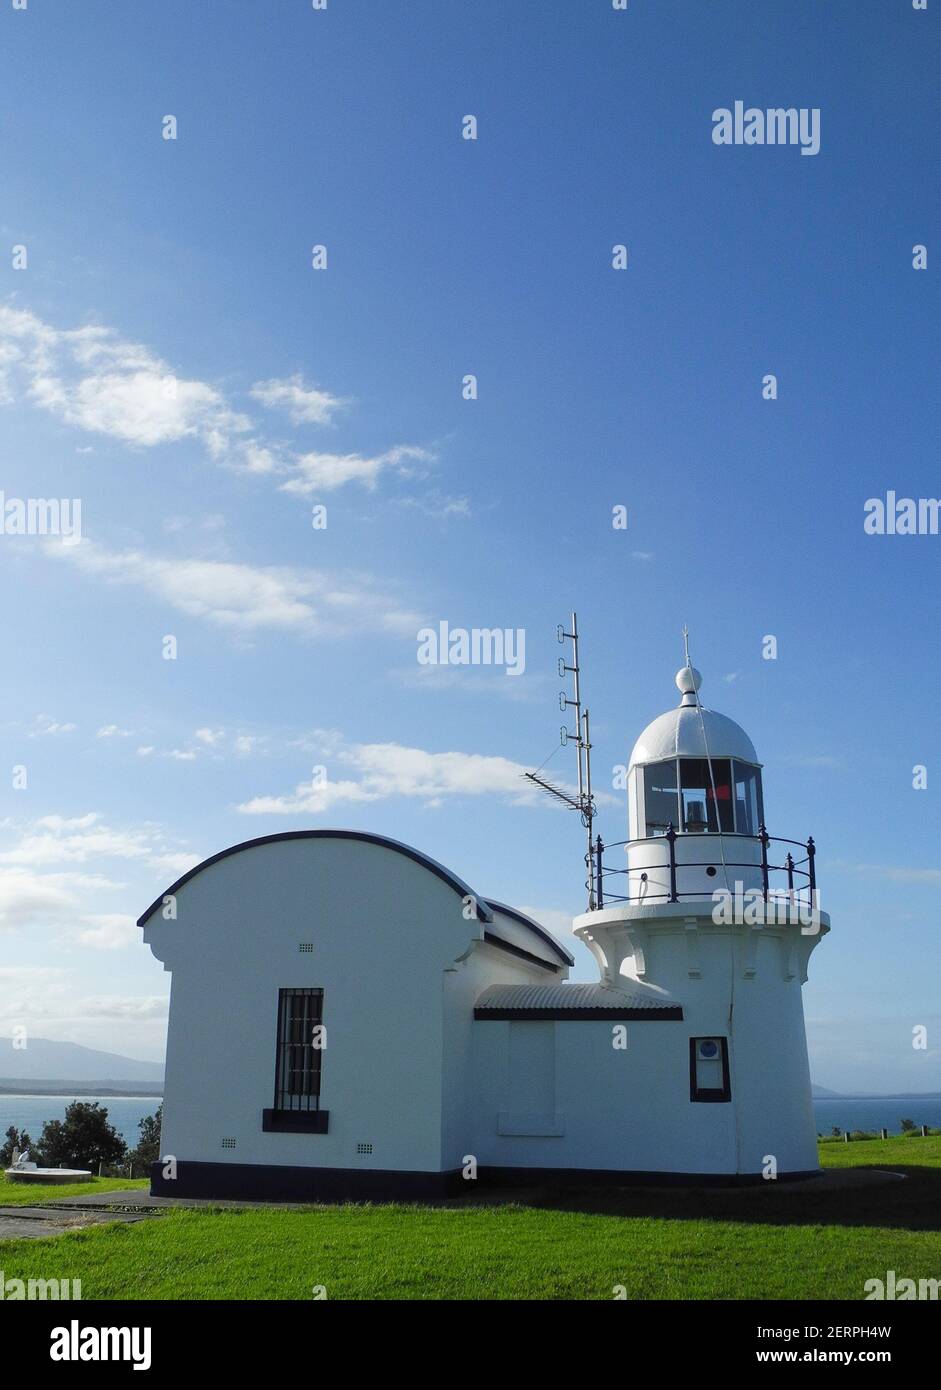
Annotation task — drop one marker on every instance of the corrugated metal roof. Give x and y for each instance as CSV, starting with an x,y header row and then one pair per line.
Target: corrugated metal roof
x,y
572,1000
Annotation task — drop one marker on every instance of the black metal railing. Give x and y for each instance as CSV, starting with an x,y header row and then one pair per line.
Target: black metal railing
x,y
801,873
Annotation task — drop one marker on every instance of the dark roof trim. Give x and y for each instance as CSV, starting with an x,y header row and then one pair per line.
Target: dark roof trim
x,y
518,951
666,1014
525,921
483,907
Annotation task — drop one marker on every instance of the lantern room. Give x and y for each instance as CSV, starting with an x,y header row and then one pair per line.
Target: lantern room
x,y
695,772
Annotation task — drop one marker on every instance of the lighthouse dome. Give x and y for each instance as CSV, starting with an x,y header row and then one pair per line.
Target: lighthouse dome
x,y
679,732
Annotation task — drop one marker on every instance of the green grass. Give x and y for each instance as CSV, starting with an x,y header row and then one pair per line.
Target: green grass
x,y
898,1153
31,1194
770,1242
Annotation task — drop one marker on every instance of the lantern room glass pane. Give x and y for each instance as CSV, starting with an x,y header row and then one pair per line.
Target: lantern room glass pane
x,y
701,792
661,797
749,812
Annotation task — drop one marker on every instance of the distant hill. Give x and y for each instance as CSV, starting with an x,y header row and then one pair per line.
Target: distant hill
x,y
47,1062
821,1093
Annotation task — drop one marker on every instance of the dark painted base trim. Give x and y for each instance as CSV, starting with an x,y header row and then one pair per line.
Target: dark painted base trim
x,y
276,1182
282,1183
295,1121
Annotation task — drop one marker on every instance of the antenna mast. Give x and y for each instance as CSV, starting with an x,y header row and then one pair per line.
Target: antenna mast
x,y
583,802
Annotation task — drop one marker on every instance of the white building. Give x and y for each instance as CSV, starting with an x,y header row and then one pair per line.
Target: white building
x,y
349,1018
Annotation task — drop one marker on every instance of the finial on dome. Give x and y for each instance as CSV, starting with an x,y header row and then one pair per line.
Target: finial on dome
x,y
688,680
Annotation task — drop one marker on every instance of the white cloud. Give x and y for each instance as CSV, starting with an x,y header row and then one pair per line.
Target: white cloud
x,y
209,736
78,839
109,931
98,382
28,899
113,731
38,894
319,472
388,769
306,405
128,1008
43,725
246,597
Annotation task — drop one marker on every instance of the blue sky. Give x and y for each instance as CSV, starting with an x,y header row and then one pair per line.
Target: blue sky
x,y
171,358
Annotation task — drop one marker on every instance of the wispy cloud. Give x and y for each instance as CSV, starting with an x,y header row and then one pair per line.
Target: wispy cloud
x,y
44,727
81,839
378,771
51,877
96,381
318,472
244,597
305,405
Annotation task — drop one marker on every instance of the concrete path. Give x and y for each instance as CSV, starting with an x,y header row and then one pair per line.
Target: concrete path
x,y
32,1223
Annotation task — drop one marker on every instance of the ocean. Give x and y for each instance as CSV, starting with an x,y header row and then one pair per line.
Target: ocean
x,y
31,1112
125,1112
873,1113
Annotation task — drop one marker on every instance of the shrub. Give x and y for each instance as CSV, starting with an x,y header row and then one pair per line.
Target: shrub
x,y
84,1139
18,1139
148,1145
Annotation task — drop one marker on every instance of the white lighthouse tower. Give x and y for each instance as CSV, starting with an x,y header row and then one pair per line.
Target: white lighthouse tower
x,y
702,904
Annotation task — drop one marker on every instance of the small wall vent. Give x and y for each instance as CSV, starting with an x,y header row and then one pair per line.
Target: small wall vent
x,y
364,1148
305,947
228,1143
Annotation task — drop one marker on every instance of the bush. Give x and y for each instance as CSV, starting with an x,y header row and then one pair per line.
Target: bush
x,y
19,1139
148,1145
84,1139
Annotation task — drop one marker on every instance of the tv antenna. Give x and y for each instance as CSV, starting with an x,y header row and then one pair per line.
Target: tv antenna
x,y
583,802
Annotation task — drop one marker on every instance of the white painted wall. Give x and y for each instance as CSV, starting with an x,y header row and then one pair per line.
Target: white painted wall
x,y
385,931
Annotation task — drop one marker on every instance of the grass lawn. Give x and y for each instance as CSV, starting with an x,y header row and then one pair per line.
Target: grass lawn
x,y
768,1242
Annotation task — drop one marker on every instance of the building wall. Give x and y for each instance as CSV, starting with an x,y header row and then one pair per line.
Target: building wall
x,y
578,1102
626,1110
383,929
483,965
400,965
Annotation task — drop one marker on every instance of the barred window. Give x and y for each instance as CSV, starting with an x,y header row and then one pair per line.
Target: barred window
x,y
300,1050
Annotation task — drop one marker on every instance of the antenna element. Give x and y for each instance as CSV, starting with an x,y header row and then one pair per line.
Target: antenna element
x,y
583,802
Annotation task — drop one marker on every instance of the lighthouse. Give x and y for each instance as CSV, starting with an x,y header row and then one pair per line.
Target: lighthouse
x,y
703,905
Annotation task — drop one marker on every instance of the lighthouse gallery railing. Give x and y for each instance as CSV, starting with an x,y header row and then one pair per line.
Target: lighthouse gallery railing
x,y
800,879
